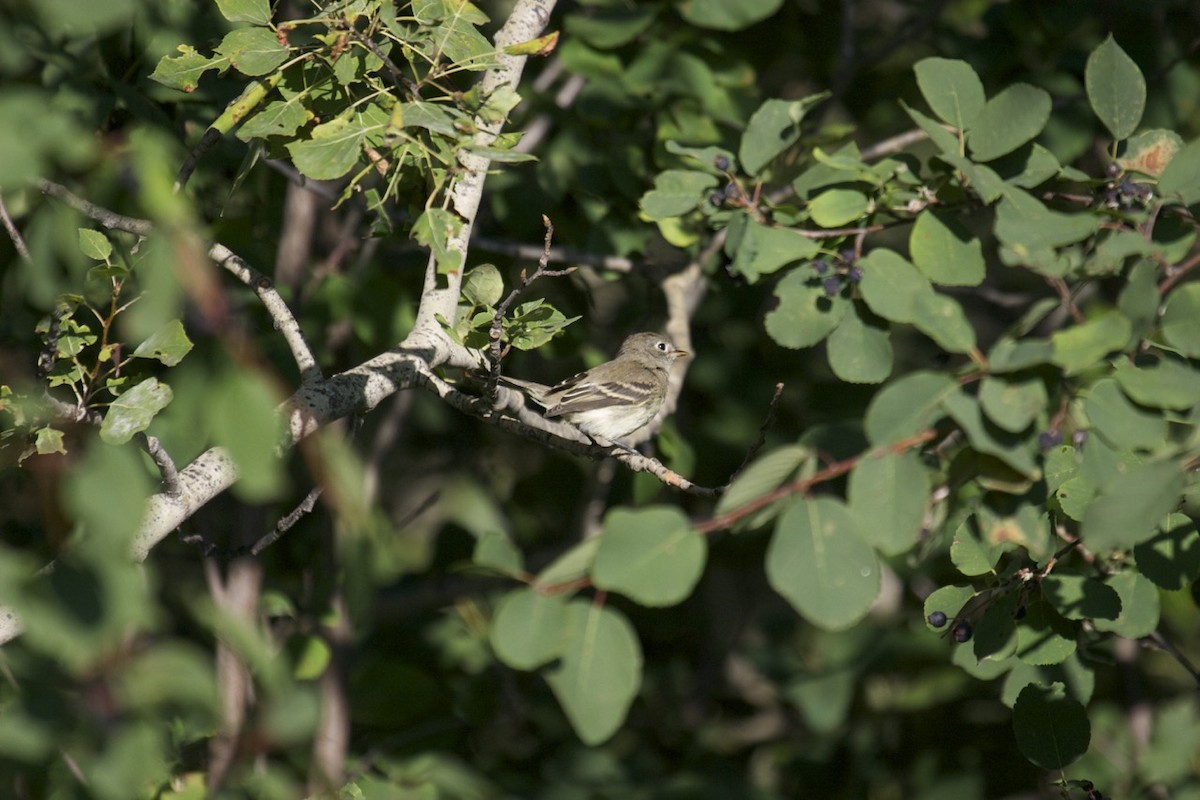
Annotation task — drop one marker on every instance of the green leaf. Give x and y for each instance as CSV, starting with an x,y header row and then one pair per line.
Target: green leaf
x,y
256,12
947,599
980,179
762,249
434,229
600,671
772,129
1044,637
1161,383
834,208
945,251
94,244
607,27
1180,323
1120,422
168,344
1013,403
675,193
253,51
651,555
1051,729
907,406
1009,120
48,440
457,38
765,474
952,90
989,439
860,348
242,417
183,71
1150,151
1180,178
1080,347
1128,507
888,496
482,285
1171,557
1024,224
331,151
1081,597
496,550
276,118
891,286
804,315
970,553
570,566
724,16
1115,88
134,410
941,318
819,561
1139,605
529,628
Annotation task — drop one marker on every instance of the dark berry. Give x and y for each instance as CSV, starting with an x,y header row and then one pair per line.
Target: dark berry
x,y
731,189
962,632
937,619
854,274
833,285
1049,439
820,266
847,255
721,162
716,199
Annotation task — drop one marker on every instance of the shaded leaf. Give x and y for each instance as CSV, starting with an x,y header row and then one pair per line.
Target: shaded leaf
x,y
1052,730
1127,508
529,628
651,555
1008,120
1116,89
860,348
675,192
804,315
944,251
888,495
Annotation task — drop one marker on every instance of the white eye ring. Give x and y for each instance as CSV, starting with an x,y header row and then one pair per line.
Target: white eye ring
x,y
662,346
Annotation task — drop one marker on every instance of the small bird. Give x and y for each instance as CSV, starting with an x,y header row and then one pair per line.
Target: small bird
x,y
613,399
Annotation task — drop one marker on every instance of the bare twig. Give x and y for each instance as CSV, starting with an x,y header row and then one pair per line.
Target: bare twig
x,y
285,524
109,219
162,460
495,333
557,255
14,234
767,422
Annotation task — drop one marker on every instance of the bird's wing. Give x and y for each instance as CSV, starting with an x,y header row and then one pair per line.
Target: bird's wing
x,y
587,392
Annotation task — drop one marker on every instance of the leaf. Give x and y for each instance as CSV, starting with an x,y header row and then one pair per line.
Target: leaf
x,y
48,440
941,318
1008,120
651,555
495,550
971,554
1080,347
1180,323
134,410
907,406
529,628
1013,403
168,344
1051,729
600,671
764,475
1116,89
1127,508
457,38
1150,151
1025,224
888,496
834,208
1120,422
772,129
256,12
891,286
952,90
276,118
94,244
859,349
804,315
989,439
675,192
569,567
820,563
1180,178
1081,597
183,71
947,599
1171,557
253,51
241,416
1139,605
331,151
482,285
1044,637
944,251
724,16
762,250
608,27
434,229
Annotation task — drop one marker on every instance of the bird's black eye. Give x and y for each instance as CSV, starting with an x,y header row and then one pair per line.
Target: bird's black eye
x,y
662,346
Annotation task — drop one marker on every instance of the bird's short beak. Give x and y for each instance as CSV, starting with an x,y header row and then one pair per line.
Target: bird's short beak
x,y
681,353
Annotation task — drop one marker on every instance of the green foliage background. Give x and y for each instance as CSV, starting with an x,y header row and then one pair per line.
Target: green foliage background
x,y
989,410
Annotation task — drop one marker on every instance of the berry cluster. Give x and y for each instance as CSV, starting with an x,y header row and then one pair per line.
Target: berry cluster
x,y
837,274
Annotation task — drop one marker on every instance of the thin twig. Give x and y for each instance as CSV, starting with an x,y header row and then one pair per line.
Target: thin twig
x,y
496,332
109,219
767,422
162,459
14,234
285,524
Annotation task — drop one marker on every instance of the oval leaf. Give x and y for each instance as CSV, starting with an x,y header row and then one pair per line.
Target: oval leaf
x,y
134,410
1009,120
529,628
650,555
1051,729
1116,89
